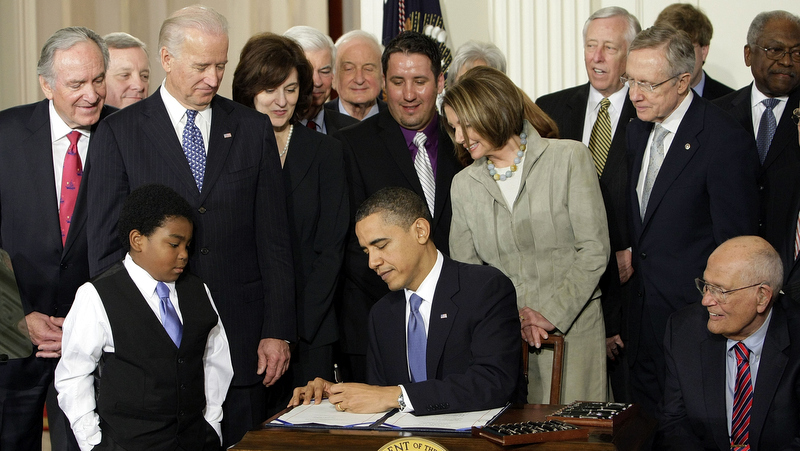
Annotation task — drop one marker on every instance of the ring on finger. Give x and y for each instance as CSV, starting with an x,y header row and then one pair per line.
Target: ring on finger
x,y
339,407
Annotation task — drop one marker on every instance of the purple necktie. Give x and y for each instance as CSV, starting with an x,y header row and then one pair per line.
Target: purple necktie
x,y
169,317
417,341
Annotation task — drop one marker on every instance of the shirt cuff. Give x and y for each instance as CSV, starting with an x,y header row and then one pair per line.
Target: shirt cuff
x,y
87,431
409,406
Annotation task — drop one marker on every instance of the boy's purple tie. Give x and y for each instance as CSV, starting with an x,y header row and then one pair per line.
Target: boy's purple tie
x,y
169,317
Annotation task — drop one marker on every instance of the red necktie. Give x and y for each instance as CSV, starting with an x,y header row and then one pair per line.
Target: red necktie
x,y
312,125
70,183
742,400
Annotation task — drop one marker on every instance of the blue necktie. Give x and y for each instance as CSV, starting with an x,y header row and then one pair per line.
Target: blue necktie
x,y
169,317
194,149
417,341
766,128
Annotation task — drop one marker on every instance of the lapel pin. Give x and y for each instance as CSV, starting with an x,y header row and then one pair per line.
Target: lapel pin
x,y
228,135
687,146
443,316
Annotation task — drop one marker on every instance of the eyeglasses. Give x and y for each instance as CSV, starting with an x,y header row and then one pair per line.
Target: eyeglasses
x,y
643,85
777,54
796,116
718,293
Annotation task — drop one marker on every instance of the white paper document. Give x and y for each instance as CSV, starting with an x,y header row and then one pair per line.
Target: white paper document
x,y
446,421
325,414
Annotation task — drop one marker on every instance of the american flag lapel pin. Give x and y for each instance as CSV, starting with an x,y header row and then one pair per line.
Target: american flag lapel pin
x,y
227,135
443,316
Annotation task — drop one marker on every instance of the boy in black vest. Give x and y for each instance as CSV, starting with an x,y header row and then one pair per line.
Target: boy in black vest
x,y
145,361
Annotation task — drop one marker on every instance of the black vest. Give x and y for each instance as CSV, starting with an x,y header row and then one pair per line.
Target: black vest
x,y
150,394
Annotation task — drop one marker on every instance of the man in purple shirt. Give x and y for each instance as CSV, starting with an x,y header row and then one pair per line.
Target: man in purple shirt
x,y
405,146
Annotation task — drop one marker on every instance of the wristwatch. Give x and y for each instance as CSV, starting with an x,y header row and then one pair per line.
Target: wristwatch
x,y
401,401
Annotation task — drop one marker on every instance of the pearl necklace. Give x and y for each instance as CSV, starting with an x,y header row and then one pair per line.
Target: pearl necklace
x,y
517,160
288,138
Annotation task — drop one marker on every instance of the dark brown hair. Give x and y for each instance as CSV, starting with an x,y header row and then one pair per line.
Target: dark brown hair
x,y
265,62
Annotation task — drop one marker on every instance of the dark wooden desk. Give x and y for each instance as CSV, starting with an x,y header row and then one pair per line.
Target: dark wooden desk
x,y
629,437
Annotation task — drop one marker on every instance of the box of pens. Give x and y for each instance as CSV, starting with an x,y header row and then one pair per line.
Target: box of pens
x,y
529,432
596,414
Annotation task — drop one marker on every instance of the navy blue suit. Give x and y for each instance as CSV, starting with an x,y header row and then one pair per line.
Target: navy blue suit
x,y
473,351
704,194
779,184
692,415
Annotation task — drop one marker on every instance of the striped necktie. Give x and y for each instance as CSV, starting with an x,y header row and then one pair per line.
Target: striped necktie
x,y
600,140
422,164
742,400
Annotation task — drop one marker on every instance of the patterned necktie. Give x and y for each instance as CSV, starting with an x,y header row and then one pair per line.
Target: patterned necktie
x,y
422,164
417,342
312,125
194,149
656,158
600,140
72,172
742,400
169,317
766,128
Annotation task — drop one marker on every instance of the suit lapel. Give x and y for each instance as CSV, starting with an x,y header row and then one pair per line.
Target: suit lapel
x,y
157,126
770,370
443,314
684,146
576,104
395,332
786,134
741,111
299,157
617,151
713,352
444,172
223,132
40,157
637,142
395,145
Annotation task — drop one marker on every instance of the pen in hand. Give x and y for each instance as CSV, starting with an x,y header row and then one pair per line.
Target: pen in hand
x,y
337,376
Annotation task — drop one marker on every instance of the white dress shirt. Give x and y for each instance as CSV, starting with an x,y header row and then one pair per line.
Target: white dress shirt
x,y
426,290
755,343
593,107
671,123
87,334
60,144
758,108
177,116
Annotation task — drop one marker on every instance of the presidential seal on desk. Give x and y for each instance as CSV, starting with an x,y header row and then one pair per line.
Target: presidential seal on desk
x,y
412,444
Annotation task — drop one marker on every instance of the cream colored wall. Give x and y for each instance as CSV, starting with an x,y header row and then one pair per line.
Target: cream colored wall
x,y
541,38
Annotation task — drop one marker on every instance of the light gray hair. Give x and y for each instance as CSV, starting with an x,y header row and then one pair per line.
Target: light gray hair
x,y
312,40
760,22
362,35
121,40
472,51
64,39
678,47
201,18
615,11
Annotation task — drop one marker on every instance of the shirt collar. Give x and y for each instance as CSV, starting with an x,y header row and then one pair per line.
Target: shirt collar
x,y
142,278
702,85
673,121
755,342
431,132
427,288
757,96
176,111
59,128
617,99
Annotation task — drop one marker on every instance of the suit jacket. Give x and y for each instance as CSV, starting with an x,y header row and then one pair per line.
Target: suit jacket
x,y
714,89
472,356
568,109
319,215
241,241
377,156
333,105
693,415
778,181
335,121
705,193
47,272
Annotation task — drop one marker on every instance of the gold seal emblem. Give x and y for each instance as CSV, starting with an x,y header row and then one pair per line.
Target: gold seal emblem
x,y
412,444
